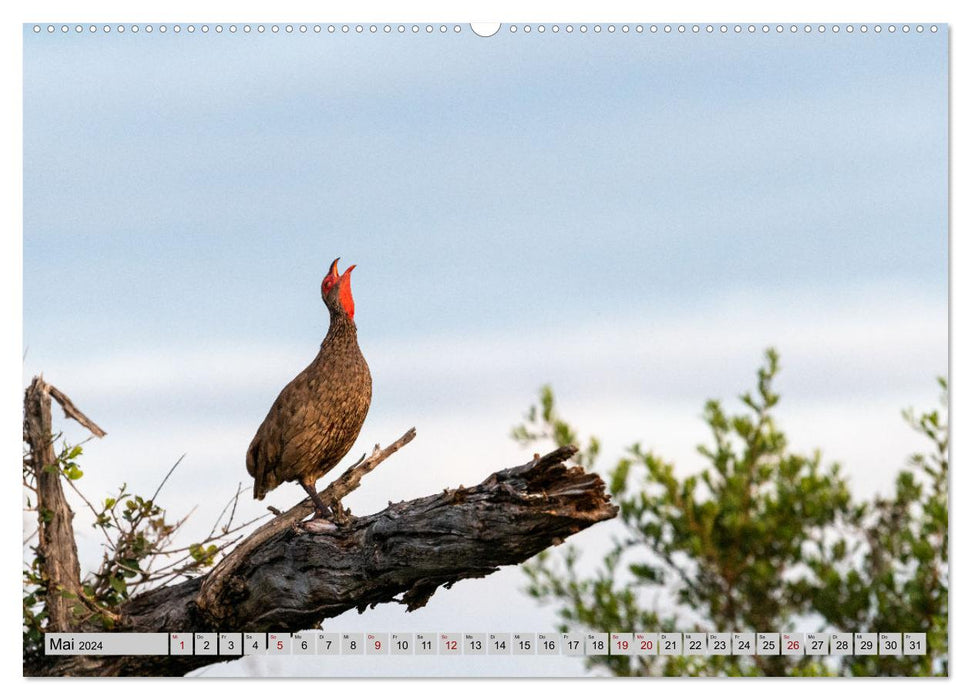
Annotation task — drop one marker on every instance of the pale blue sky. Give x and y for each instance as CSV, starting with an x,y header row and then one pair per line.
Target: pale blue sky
x,y
630,217
195,187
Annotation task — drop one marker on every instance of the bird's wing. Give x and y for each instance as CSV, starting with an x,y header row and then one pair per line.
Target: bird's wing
x,y
305,430
265,451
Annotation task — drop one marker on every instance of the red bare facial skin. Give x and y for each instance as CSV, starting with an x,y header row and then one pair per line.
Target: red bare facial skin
x,y
330,280
343,283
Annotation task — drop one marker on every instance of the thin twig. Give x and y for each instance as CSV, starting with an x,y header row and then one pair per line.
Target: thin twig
x,y
208,540
91,508
239,490
177,463
231,502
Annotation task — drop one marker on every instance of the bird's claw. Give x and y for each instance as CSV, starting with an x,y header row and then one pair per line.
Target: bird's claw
x,y
323,514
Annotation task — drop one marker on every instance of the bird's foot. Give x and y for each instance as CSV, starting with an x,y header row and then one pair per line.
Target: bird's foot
x,y
322,512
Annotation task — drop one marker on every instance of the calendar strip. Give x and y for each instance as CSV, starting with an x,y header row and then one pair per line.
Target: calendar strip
x,y
318,643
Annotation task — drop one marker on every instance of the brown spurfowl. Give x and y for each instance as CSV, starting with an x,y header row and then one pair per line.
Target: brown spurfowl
x,y
317,417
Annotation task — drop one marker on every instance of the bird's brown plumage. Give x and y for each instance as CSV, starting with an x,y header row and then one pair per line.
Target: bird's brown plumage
x,y
317,417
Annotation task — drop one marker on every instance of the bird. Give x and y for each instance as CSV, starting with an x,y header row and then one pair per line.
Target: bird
x,y
317,417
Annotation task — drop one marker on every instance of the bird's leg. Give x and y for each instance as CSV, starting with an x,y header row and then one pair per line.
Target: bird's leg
x,y
341,516
323,511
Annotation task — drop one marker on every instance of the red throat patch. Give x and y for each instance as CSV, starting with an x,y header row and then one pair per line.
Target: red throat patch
x,y
344,293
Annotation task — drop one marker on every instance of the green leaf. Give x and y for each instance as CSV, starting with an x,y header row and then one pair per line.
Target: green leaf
x,y
72,472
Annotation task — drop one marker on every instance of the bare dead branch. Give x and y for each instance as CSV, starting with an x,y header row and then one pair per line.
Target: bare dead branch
x,y
72,411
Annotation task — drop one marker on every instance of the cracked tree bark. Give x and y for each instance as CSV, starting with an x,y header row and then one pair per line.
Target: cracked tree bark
x,y
56,545
284,578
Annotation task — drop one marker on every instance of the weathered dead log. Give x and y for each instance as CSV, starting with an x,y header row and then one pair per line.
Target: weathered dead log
x,y
294,579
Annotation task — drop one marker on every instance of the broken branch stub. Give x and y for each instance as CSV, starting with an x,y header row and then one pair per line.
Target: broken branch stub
x,y
56,545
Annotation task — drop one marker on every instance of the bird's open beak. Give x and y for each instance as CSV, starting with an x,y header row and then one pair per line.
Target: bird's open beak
x,y
336,274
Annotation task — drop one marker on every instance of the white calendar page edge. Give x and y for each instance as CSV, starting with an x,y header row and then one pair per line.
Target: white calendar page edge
x,y
505,10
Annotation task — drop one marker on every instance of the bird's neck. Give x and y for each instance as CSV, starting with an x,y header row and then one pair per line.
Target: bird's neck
x,y
342,328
